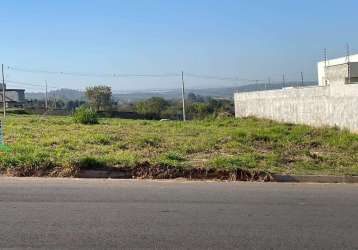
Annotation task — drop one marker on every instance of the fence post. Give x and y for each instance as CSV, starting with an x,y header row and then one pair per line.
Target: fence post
x,y
1,133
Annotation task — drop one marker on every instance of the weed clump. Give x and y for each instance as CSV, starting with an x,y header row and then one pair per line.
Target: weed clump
x,y
85,115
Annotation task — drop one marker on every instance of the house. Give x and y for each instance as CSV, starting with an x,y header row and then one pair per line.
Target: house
x,y
333,102
322,66
13,97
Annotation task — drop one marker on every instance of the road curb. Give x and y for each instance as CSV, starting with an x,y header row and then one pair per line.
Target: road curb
x,y
275,177
104,174
315,178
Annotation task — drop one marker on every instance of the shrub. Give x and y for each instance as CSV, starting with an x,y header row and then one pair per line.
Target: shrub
x,y
89,162
85,115
152,108
148,140
172,159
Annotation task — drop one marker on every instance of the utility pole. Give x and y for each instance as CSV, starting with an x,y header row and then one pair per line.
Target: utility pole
x,y
325,57
269,82
348,63
325,66
283,81
265,85
183,95
348,53
46,97
3,92
2,122
302,78
54,101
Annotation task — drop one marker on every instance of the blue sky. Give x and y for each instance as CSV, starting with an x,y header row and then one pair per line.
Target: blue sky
x,y
247,39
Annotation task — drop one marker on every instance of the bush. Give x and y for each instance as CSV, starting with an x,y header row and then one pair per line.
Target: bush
x,y
85,115
152,108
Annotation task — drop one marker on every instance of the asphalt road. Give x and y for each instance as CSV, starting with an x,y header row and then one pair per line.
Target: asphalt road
x,y
102,214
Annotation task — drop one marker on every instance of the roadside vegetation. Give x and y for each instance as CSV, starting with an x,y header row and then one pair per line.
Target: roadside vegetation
x,y
59,146
85,115
100,99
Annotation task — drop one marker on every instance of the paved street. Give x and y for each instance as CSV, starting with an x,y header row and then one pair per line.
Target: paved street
x,y
102,214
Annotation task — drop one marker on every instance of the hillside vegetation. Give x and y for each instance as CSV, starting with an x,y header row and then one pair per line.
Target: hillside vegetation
x,y
58,146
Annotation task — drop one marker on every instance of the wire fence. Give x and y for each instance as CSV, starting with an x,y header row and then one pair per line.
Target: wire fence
x,y
242,84
46,98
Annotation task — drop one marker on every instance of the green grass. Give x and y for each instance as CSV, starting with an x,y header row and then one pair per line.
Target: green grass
x,y
58,145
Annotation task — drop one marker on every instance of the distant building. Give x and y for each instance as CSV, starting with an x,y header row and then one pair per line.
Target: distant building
x,y
13,97
325,66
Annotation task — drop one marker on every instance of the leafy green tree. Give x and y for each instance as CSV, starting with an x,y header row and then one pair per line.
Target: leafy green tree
x,y
70,105
173,111
99,97
152,108
60,104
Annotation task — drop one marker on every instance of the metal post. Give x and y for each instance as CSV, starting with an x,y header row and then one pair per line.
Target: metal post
x,y
325,57
348,53
1,134
325,66
54,100
269,82
349,64
3,93
2,123
46,97
265,85
302,78
283,81
183,95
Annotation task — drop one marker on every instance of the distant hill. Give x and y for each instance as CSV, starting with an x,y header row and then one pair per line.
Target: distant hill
x,y
130,96
65,94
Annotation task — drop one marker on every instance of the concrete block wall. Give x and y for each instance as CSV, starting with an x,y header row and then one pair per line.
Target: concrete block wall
x,y
316,106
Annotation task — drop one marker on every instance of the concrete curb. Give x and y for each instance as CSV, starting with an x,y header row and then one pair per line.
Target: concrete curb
x,y
315,178
275,177
104,174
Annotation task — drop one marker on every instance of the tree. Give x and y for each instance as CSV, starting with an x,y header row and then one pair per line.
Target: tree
x,y
195,98
60,104
70,105
198,110
191,97
152,108
99,97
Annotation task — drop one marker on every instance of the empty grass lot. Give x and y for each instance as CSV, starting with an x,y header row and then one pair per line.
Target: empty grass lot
x,y
58,146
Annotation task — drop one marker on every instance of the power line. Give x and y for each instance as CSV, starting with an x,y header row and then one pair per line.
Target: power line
x,y
119,75
29,84
23,83
79,74
222,78
115,75
31,89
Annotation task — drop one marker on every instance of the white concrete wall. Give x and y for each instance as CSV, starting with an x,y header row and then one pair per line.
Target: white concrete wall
x,y
333,105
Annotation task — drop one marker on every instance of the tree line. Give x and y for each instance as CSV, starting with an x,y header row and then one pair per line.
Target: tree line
x,y
99,98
